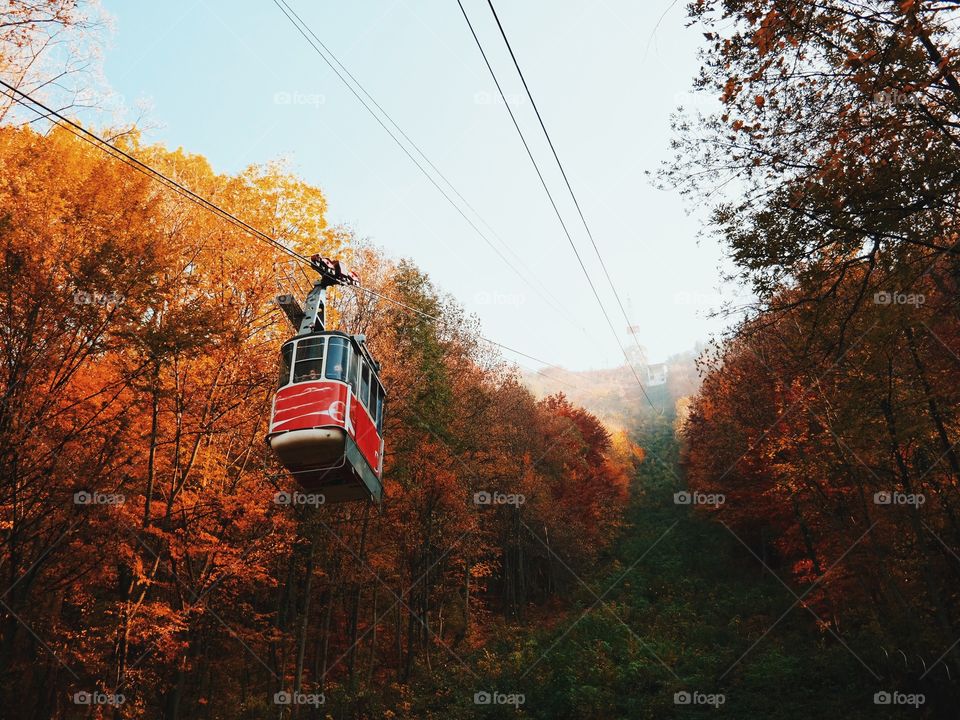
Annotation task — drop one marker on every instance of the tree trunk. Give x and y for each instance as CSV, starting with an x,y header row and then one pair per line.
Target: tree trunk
x,y
304,621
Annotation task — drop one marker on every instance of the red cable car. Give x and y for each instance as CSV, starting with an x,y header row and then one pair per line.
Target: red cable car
x,y
326,424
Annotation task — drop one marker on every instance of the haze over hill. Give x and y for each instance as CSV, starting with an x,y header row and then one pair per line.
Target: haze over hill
x,y
614,395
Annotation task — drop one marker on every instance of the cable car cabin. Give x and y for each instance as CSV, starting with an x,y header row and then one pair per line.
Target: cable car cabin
x,y
326,425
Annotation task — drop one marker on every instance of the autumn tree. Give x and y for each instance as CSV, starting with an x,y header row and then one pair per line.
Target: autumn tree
x,y
51,50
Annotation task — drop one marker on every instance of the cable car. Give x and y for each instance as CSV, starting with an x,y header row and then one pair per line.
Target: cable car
x,y
326,421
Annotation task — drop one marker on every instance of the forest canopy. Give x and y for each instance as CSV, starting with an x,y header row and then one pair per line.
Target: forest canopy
x,y
141,536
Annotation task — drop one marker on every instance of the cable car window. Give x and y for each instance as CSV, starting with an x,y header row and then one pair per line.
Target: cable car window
x,y
286,359
365,385
337,354
376,401
354,370
373,400
383,409
309,362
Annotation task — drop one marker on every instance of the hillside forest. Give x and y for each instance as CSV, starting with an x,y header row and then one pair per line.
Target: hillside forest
x,y
772,529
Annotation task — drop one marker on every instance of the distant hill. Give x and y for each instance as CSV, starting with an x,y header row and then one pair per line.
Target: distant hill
x,y
613,394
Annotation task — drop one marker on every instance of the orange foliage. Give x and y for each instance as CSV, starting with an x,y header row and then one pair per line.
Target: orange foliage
x,y
140,340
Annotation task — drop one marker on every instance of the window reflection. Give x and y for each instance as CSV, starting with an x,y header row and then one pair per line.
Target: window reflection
x,y
338,350
309,363
365,385
286,359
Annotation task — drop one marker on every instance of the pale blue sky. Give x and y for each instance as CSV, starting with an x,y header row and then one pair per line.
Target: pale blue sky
x,y
236,82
